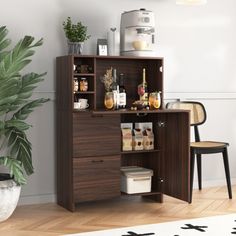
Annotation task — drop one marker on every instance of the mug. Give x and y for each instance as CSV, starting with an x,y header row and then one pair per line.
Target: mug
x,y
83,103
77,105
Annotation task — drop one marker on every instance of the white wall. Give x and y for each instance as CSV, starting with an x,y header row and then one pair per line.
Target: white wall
x,y
197,42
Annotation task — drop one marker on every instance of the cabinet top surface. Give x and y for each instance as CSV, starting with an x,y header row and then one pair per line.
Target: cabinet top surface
x,y
112,57
126,111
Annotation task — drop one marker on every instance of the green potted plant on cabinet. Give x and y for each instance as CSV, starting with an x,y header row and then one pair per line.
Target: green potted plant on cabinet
x,y
76,35
15,106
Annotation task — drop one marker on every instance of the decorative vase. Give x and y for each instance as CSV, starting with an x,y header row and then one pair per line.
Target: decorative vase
x,y
113,38
9,195
75,47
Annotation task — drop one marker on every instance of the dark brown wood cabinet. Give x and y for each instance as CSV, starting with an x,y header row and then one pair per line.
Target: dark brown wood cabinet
x,y
89,153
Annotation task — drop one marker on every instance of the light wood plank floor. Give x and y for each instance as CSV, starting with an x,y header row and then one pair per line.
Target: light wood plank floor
x,y
50,219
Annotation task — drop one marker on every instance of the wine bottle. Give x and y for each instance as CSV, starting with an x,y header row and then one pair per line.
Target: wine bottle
x,y
122,93
115,89
142,89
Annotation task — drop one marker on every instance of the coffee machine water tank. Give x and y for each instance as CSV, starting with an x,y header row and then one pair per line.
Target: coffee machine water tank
x,y
137,33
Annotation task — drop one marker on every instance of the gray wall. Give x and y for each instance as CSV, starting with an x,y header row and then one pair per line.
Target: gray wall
x,y
197,42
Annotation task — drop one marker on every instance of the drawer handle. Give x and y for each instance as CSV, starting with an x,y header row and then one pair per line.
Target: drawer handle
x,y
97,161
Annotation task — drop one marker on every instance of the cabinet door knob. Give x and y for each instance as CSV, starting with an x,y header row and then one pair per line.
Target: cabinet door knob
x,y
161,124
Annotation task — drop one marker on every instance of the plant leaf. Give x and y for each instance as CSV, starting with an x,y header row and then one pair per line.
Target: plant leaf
x,y
17,124
15,169
24,112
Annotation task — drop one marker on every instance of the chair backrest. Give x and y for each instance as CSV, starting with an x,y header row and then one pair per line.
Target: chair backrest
x,y
197,110
197,113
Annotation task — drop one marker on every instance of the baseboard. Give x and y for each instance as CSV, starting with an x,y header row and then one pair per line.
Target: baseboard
x,y
51,198
37,199
213,183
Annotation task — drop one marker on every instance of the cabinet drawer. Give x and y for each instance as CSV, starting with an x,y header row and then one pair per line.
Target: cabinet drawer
x,y
96,178
96,135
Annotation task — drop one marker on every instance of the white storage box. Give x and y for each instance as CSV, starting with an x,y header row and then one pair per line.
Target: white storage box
x,y
136,179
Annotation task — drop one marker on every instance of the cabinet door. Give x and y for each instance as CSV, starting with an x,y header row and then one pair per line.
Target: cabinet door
x,y
173,132
96,178
96,135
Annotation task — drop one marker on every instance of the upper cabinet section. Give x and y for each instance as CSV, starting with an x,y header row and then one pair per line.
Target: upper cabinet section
x,y
82,77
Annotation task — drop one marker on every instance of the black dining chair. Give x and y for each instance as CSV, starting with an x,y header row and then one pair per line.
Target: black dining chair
x,y
197,148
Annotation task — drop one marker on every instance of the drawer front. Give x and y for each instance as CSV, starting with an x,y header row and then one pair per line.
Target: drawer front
x,y
96,178
96,135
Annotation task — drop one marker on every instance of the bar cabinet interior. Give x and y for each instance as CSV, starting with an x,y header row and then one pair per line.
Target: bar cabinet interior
x,y
89,153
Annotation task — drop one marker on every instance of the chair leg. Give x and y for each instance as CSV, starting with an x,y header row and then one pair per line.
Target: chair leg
x,y
227,173
192,159
199,171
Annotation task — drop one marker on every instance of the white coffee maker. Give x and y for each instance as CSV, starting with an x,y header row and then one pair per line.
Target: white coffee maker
x,y
137,33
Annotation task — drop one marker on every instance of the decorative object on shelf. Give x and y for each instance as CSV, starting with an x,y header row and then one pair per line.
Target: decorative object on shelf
x,y
109,100
107,79
155,100
16,105
102,47
76,85
76,35
83,85
191,2
113,40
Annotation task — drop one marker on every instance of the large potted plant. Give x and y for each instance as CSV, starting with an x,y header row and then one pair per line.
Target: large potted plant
x,y
15,106
76,35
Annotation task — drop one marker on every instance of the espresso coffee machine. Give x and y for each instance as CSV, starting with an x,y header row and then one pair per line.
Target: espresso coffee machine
x,y
137,33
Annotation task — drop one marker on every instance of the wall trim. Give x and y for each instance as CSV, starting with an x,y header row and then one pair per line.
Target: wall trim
x,y
201,95
37,199
214,183
51,198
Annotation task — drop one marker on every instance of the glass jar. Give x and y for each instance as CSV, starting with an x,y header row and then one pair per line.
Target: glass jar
x,y
76,85
155,100
109,100
83,85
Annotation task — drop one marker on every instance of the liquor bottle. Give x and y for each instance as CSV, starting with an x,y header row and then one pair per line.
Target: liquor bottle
x,y
115,89
122,93
142,90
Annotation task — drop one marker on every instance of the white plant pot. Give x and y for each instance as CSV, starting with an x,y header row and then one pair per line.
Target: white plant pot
x,y
9,195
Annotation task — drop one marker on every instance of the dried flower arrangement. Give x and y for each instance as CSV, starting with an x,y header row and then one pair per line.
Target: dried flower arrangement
x,y
107,79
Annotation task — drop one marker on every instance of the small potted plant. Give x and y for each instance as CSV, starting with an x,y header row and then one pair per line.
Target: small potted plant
x,y
76,35
16,105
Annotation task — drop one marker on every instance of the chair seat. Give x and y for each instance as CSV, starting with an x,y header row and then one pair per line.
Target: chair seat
x,y
208,144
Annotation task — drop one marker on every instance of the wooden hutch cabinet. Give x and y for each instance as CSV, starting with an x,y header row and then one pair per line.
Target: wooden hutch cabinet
x,y
89,153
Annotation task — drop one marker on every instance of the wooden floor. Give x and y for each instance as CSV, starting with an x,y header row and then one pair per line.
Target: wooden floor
x,y
50,219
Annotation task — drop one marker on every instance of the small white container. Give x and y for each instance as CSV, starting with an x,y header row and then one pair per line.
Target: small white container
x,y
136,179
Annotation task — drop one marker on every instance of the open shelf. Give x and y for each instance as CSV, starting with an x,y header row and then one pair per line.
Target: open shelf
x,y
84,74
85,92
